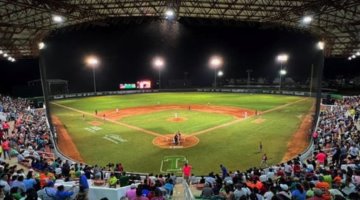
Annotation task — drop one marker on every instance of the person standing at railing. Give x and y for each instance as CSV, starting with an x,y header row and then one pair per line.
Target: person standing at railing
x,y
112,181
83,183
187,172
224,171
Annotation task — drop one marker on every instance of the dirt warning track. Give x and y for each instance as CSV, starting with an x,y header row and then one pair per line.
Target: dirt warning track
x,y
65,142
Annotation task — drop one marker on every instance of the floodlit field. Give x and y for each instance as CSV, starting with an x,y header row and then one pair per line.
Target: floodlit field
x,y
216,128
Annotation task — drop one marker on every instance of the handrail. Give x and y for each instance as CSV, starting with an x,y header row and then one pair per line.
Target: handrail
x,y
187,191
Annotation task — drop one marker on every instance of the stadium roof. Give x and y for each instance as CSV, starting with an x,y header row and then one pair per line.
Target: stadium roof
x,y
24,23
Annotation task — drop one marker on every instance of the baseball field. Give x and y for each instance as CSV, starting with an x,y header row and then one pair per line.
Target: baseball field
x,y
138,130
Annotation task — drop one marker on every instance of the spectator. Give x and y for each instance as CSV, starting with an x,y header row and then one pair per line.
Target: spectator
x,y
83,183
112,181
139,195
207,191
19,183
224,171
187,172
82,195
132,192
29,182
298,193
61,194
48,192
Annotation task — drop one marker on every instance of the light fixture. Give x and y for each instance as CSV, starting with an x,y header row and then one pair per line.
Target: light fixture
x,y
158,63
307,19
215,62
57,18
283,72
9,58
5,55
282,58
92,61
353,56
41,45
220,73
169,13
321,45
1,52
349,58
358,53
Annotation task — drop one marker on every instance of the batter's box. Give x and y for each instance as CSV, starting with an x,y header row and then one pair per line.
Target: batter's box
x,y
172,164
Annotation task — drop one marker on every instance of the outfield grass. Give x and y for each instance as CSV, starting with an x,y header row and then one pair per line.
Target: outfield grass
x,y
235,146
252,101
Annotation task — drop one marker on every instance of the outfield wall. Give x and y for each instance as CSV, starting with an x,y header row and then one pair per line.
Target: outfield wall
x,y
124,92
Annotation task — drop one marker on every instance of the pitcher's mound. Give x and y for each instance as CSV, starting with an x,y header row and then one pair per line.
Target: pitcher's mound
x,y
167,141
176,119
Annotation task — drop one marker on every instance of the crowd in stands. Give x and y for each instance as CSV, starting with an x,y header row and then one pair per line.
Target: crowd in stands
x,y
332,172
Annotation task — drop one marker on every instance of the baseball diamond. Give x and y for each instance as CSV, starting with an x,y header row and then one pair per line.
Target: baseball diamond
x,y
209,123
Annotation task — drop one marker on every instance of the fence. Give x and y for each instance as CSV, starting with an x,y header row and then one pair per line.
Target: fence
x,y
231,90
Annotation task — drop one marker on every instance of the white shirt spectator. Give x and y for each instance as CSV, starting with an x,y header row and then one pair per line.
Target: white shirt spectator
x,y
268,195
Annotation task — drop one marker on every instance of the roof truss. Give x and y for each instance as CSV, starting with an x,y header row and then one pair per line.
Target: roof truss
x,y
23,23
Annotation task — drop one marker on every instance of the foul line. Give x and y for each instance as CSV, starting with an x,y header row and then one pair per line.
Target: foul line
x,y
109,120
242,119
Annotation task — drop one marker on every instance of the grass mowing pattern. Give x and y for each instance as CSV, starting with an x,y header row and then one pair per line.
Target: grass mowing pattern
x,y
234,146
195,121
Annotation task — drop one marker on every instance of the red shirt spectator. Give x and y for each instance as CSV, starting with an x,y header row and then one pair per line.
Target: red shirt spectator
x,y
320,157
5,145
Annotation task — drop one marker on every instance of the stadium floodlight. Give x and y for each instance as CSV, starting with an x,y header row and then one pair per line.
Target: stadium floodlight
x,y
93,62
9,58
282,58
358,53
159,64
5,55
349,58
283,72
58,19
353,56
215,63
169,13
321,45
1,52
307,19
13,60
41,45
220,73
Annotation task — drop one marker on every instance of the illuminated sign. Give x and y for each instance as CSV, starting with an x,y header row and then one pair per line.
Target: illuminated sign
x,y
144,84
127,86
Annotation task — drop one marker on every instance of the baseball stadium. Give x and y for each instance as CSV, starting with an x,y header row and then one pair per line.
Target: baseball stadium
x,y
177,99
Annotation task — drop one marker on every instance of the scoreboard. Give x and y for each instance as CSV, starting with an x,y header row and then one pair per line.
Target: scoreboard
x,y
143,84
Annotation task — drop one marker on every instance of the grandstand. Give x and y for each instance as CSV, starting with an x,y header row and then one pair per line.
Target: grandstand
x,y
39,161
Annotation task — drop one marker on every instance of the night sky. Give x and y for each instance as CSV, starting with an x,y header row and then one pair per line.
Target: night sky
x,y
126,52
